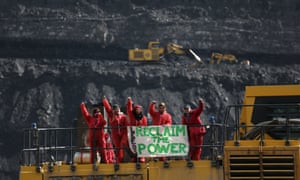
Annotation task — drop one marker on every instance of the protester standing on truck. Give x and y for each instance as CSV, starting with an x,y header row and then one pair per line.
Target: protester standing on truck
x,y
136,118
191,118
118,123
160,117
96,138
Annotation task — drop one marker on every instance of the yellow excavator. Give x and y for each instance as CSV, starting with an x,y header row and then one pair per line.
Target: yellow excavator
x,y
218,58
155,52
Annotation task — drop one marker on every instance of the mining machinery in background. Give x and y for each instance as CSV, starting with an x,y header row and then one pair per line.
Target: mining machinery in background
x,y
155,52
220,58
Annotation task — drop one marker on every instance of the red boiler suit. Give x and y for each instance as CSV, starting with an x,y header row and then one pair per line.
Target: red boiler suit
x,y
158,118
119,125
134,121
96,137
196,131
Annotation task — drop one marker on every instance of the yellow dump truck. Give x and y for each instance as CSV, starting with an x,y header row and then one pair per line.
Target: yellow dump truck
x,y
259,139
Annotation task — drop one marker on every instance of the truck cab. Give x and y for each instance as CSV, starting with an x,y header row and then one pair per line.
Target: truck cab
x,y
263,140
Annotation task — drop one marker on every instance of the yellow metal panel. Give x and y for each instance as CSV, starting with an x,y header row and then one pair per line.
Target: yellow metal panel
x,y
178,170
149,171
273,90
29,173
256,143
148,55
141,55
246,114
105,170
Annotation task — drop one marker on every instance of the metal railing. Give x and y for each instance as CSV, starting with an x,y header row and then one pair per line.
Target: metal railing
x,y
60,144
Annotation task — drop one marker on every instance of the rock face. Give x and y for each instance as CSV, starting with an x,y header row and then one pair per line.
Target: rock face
x,y
56,54
268,27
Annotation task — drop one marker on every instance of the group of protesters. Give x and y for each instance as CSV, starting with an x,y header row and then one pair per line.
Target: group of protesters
x,y
118,122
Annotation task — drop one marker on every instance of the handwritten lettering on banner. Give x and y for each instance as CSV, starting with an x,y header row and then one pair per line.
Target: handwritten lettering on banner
x,y
158,141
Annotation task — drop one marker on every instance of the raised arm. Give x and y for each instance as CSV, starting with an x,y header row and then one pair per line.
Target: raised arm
x,y
152,107
129,105
200,107
129,110
84,111
107,107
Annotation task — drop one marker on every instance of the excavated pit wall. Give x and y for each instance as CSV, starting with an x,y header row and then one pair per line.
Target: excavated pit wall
x,y
55,54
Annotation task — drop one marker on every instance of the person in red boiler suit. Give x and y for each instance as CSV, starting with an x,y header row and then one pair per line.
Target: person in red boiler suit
x,y
191,118
96,138
136,118
118,122
160,117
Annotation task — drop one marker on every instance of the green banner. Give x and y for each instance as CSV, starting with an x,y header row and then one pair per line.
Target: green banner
x,y
158,141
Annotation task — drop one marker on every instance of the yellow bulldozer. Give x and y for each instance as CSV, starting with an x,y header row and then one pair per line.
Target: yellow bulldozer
x,y
218,58
155,52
